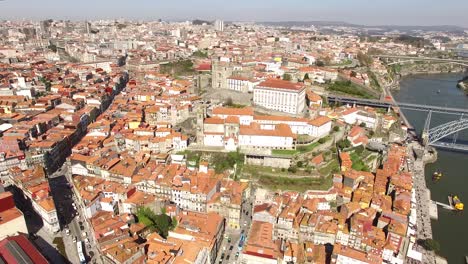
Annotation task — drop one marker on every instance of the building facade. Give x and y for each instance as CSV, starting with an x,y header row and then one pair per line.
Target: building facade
x,y
280,95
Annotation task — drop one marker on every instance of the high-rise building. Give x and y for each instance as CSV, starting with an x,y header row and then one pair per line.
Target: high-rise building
x,y
87,27
219,25
45,27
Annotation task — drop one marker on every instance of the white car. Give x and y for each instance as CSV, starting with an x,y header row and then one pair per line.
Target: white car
x,y
67,232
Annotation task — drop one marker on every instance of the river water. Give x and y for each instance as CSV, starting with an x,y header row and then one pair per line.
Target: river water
x,y
451,229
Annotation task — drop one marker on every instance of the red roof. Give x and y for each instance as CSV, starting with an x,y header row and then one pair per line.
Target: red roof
x,y
281,84
204,67
26,250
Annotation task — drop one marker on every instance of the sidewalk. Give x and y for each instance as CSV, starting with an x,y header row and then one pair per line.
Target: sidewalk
x,y
45,244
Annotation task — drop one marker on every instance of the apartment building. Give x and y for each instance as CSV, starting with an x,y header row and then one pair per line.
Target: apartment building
x,y
11,218
34,187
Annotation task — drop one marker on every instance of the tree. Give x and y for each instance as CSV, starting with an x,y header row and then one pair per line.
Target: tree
x,y
336,128
359,149
292,169
362,124
52,47
161,223
174,223
353,74
228,101
345,143
200,54
46,83
364,60
222,162
306,76
320,63
300,164
287,77
429,244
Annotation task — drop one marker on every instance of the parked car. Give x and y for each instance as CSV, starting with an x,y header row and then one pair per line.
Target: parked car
x,y
67,232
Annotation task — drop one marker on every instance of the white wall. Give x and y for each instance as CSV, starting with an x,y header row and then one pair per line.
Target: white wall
x,y
12,227
265,141
213,140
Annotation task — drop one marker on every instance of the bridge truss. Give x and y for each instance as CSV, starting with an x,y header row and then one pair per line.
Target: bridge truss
x,y
430,136
437,133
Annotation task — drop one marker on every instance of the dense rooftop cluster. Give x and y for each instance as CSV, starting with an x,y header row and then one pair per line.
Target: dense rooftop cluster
x,y
175,138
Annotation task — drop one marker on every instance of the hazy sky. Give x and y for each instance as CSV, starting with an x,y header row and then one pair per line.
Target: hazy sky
x,y
370,12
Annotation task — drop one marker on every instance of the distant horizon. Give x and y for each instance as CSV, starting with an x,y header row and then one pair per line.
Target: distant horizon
x,y
357,12
235,21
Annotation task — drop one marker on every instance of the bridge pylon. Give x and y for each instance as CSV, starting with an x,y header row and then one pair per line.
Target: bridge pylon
x,y
425,132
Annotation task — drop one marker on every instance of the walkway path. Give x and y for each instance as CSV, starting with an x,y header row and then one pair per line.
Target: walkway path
x,y
424,228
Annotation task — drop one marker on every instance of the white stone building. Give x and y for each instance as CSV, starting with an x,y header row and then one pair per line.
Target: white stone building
x,y
280,95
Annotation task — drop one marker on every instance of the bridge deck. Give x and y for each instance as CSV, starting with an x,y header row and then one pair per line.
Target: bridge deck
x,y
420,58
450,146
437,132
387,104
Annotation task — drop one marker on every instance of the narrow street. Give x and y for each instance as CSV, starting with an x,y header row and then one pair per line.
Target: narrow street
x,y
230,251
71,217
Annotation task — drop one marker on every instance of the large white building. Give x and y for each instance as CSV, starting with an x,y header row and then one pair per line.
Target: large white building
x,y
219,25
232,128
280,95
318,127
281,137
241,84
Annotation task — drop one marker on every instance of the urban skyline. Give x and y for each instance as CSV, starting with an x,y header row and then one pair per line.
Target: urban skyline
x,y
179,132
415,13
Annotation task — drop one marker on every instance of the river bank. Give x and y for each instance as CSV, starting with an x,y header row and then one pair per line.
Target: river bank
x,y
422,200
423,69
463,84
449,229
416,72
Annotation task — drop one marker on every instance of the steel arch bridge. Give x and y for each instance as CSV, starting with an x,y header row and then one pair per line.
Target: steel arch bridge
x,y
432,136
415,59
437,133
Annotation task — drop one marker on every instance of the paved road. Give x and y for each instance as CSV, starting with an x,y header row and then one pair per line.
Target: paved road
x,y
71,216
230,249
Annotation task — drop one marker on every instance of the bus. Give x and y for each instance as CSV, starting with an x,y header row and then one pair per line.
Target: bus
x,y
79,249
241,241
